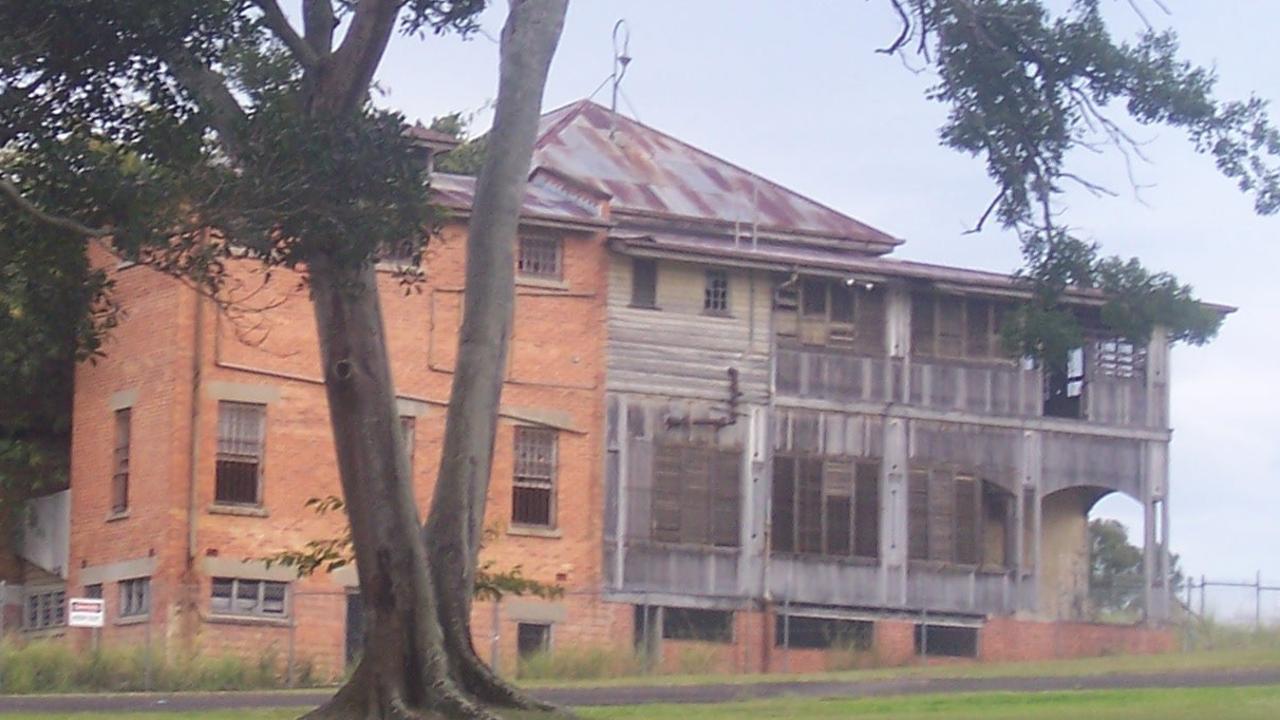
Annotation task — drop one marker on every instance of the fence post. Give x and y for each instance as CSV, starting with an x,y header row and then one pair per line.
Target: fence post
x,y
1202,597
1257,601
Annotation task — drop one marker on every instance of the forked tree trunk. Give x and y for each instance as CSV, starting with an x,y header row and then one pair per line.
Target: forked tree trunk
x,y
417,582
405,671
455,525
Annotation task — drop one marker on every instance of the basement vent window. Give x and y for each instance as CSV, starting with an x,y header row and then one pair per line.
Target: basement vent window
x,y
694,624
45,610
532,639
812,633
946,641
260,598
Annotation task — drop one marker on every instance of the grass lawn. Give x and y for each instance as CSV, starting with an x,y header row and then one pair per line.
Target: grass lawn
x,y
1260,703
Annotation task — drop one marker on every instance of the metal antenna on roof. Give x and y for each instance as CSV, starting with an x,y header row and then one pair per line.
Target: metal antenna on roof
x,y
621,39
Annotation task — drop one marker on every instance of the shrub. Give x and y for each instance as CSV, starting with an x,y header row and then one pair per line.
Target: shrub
x,y
586,663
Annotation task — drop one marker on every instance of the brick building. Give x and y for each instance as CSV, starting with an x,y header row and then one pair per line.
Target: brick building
x,y
731,421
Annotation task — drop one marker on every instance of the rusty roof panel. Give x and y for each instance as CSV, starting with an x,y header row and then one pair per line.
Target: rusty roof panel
x,y
650,173
541,199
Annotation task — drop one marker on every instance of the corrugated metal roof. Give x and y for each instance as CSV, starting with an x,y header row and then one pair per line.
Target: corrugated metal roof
x,y
541,200
649,173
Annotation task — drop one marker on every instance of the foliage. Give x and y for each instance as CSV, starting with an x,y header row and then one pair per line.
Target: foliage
x,y
46,666
582,663
467,158
329,554
1116,575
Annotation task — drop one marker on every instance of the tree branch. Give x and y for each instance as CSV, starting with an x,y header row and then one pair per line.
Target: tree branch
x,y
318,23
344,87
209,89
274,18
12,192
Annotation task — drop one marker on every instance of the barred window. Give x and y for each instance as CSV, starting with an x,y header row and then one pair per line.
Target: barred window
x,y
239,463
135,597
45,610
715,297
120,462
533,488
532,639
540,257
94,591
262,598
408,426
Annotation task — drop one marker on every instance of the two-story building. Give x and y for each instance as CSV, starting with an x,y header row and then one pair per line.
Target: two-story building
x,y
730,418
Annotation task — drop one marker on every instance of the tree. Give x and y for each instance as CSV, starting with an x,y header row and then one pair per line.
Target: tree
x,y
1116,570
195,135
190,134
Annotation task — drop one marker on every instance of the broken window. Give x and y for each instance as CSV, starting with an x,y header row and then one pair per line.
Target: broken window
x,y
120,462
951,326
533,489
1120,358
715,296
834,313
239,463
826,507
644,283
696,624
1064,387
798,631
947,516
696,495
540,257
532,639
946,640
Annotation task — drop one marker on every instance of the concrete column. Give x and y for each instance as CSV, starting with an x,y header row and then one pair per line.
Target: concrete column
x,y
893,512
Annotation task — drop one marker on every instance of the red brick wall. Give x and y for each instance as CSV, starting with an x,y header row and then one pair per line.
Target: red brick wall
x,y
556,370
1010,640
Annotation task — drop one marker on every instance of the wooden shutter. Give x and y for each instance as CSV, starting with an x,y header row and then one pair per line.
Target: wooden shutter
x,y
871,322
726,498
784,502
966,512
918,515
695,501
866,522
809,506
942,500
922,322
837,491
667,470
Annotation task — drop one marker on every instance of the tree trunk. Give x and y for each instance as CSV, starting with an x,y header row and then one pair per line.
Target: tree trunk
x,y
455,526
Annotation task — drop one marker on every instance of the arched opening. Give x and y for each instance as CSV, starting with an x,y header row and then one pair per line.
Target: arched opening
x,y
1117,536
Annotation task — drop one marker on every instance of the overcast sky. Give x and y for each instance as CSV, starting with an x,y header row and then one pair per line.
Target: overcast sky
x,y
795,92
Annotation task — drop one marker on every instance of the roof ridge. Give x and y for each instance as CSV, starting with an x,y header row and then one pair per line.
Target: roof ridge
x,y
587,102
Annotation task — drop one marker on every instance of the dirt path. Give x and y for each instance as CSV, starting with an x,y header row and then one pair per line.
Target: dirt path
x,y
639,695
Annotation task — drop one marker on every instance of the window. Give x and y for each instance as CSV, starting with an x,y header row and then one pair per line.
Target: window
x,y
696,495
945,517
120,462
821,633
834,313
407,427
693,624
1119,358
262,598
135,597
715,297
1064,387
826,506
239,463
532,639
951,326
533,489
946,640
644,283
93,592
45,610
540,257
